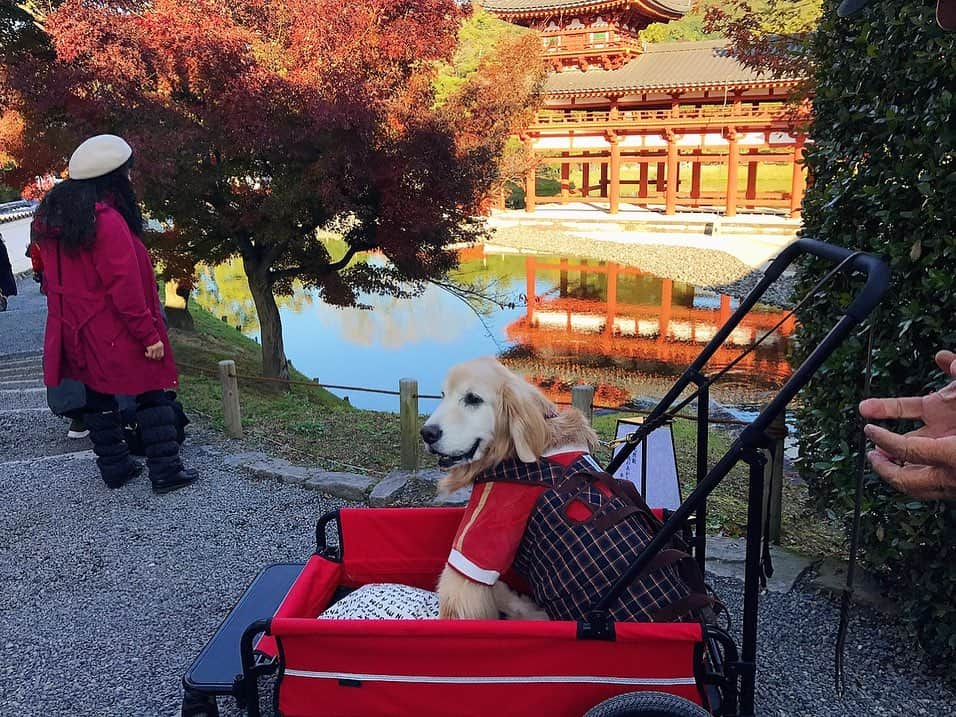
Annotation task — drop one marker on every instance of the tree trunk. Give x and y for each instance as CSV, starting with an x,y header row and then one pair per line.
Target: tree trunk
x,y
274,364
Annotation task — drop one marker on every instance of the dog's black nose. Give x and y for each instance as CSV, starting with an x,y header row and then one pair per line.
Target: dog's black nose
x,y
430,434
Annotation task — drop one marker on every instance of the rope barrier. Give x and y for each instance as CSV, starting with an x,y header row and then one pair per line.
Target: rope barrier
x,y
315,384
309,384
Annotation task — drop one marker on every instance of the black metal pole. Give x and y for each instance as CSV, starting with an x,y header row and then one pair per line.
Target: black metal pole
x,y
703,424
748,649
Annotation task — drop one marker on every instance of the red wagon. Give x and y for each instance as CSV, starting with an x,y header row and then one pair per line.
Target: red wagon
x,y
594,667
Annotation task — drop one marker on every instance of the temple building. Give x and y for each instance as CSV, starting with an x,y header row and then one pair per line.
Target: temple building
x,y
672,126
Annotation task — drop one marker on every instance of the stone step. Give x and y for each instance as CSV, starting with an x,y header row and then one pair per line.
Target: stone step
x,y
28,436
21,364
20,383
32,369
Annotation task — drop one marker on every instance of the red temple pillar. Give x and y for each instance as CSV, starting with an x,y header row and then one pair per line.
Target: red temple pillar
x,y
797,182
642,187
660,177
733,159
695,179
585,178
670,201
565,177
604,179
752,179
615,188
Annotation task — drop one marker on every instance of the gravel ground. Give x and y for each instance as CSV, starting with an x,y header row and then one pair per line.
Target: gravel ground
x,y
717,271
109,595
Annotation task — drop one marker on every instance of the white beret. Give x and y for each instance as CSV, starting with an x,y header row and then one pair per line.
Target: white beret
x,y
99,155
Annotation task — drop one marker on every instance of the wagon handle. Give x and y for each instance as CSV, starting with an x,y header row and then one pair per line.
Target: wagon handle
x,y
246,686
322,548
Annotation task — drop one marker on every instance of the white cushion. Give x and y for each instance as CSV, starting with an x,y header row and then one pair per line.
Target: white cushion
x,y
385,601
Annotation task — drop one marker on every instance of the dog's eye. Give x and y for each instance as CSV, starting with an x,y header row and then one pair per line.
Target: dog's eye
x,y
472,399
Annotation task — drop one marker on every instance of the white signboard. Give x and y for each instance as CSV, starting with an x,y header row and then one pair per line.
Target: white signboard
x,y
663,487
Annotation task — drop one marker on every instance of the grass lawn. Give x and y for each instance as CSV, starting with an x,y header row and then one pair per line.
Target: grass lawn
x,y
303,424
312,426
802,530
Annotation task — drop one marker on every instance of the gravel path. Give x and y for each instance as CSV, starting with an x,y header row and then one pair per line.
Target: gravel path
x,y
109,595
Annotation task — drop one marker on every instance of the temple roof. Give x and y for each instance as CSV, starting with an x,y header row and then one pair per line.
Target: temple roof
x,y
659,8
665,66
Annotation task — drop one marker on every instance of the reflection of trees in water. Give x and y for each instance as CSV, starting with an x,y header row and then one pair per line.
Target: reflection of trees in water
x,y
223,291
386,321
393,323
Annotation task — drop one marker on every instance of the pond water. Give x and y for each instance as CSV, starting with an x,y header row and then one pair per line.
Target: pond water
x,y
628,333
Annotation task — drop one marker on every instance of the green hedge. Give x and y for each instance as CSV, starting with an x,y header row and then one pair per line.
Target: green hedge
x,y
884,180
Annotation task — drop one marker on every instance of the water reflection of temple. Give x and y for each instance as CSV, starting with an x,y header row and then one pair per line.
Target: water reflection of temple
x,y
614,326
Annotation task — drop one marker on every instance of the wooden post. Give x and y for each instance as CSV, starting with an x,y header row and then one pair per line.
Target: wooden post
x,y
585,178
230,398
733,159
642,187
670,201
582,398
777,433
604,179
660,177
614,192
408,420
695,179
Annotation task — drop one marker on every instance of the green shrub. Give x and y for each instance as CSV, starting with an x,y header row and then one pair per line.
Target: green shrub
x,y
884,180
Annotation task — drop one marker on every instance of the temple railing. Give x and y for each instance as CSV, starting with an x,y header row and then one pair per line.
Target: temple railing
x,y
729,114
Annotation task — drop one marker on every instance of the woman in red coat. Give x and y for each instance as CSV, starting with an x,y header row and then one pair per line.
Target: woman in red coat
x,y
104,324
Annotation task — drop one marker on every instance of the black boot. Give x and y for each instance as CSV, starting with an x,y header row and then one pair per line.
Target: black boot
x,y
112,454
157,427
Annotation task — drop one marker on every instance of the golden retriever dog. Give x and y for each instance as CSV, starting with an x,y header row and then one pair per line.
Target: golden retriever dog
x,y
487,415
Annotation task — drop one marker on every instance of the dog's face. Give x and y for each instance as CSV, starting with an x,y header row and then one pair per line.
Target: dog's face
x,y
487,414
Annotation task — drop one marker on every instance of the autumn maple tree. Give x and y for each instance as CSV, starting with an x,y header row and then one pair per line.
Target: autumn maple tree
x,y
259,126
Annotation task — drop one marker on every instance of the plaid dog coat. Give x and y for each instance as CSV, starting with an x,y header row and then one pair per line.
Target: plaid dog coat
x,y
584,531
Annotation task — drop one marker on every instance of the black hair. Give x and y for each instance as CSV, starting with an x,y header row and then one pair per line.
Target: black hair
x,y
68,211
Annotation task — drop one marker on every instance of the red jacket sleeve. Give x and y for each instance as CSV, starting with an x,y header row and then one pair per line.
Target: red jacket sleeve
x,y
491,530
114,256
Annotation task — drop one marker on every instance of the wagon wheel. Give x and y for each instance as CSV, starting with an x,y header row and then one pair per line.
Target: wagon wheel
x,y
196,704
647,704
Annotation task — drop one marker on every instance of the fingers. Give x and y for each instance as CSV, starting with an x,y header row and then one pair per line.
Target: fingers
x,y
914,448
922,482
946,360
879,409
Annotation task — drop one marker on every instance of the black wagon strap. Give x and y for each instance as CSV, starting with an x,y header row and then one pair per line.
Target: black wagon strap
x,y
847,596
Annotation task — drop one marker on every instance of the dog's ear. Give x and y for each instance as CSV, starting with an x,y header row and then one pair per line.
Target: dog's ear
x,y
522,415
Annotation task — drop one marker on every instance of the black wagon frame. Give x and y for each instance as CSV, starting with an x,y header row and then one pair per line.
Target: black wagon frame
x,y
728,674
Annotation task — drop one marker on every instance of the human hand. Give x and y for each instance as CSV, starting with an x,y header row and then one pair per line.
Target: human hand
x,y
155,352
921,463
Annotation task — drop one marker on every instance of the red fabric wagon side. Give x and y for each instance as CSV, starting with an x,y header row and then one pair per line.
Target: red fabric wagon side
x,y
444,667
